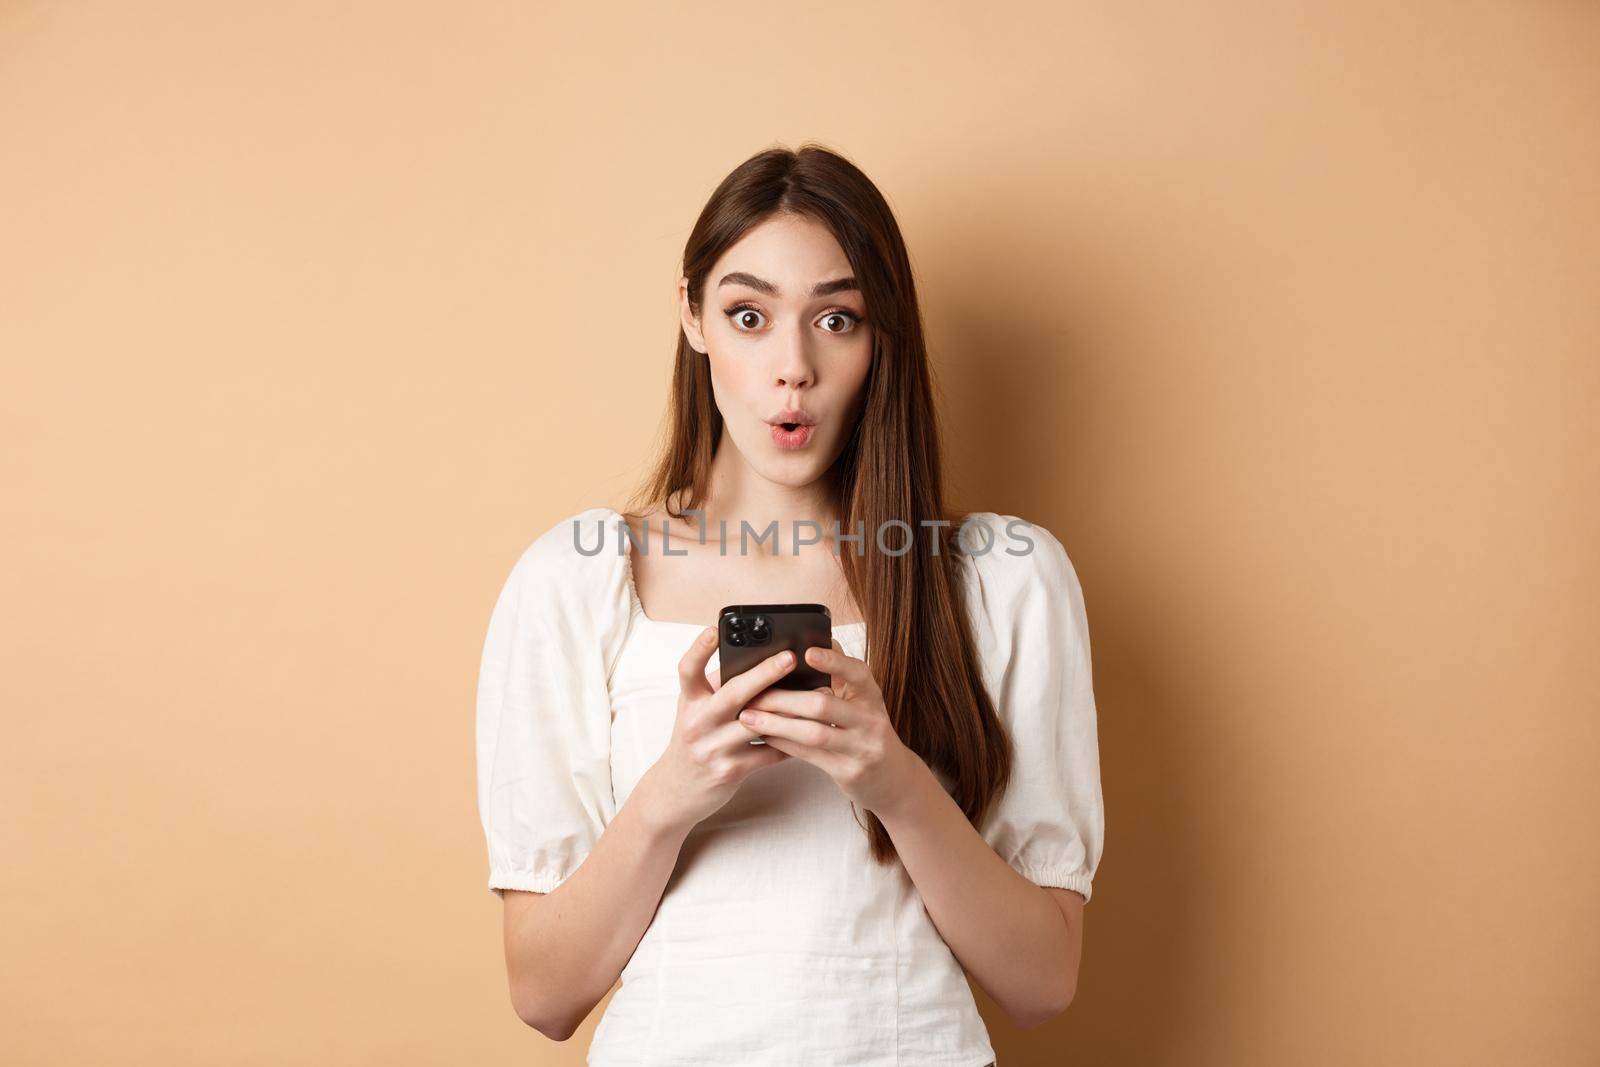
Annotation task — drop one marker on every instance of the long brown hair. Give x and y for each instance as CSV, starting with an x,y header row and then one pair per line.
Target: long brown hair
x,y
919,647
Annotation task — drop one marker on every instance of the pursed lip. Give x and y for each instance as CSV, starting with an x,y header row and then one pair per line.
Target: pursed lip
x,y
792,416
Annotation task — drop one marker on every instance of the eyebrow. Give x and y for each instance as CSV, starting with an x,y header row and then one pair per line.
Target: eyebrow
x,y
739,277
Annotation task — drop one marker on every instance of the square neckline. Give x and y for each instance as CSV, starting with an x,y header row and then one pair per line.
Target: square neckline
x,y
638,605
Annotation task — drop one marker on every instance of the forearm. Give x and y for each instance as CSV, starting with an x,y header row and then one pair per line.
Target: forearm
x,y
564,953
1007,932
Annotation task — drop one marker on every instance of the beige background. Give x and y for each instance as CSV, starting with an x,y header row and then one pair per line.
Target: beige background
x,y
1282,316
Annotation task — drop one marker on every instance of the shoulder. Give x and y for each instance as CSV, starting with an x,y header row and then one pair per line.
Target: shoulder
x,y
577,565
572,548
1008,555
1024,600
1019,578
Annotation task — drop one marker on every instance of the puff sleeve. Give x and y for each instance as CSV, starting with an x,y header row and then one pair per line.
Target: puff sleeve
x,y
543,705
1033,636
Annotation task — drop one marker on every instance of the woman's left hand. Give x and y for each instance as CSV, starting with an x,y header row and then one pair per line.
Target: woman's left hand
x,y
843,731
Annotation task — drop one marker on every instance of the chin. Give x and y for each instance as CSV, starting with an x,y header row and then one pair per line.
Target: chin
x,y
797,473
793,469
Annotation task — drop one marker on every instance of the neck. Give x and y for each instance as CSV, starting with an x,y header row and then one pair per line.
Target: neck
x,y
736,494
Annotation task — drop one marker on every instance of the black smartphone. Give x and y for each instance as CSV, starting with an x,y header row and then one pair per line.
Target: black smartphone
x,y
750,633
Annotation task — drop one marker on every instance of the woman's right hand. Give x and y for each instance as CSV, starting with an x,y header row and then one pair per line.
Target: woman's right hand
x,y
710,753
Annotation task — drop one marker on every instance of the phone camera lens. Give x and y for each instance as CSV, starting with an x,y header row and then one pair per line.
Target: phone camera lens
x,y
736,638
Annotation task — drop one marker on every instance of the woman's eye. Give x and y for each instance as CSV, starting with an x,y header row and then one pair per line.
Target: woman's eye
x,y
848,318
741,317
747,318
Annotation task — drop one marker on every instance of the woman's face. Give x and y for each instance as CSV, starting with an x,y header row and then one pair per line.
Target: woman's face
x,y
785,330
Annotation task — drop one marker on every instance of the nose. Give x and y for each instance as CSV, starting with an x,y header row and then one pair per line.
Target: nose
x,y
795,369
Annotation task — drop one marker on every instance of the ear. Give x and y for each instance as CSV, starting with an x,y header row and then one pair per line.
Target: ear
x,y
691,326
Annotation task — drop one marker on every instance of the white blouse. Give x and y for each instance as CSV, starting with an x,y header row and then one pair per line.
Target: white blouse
x,y
778,939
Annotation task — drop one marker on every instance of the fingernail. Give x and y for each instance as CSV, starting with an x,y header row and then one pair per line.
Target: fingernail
x,y
788,659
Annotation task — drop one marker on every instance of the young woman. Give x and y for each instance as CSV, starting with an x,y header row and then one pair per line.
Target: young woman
x,y
815,899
